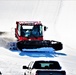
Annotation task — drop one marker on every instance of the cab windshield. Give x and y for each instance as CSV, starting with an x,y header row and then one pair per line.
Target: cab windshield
x,y
31,30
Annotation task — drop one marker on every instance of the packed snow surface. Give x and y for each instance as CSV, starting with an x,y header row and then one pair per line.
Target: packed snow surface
x,y
11,61
60,18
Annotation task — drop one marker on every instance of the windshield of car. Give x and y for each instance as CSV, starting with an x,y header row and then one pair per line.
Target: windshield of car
x,y
46,65
32,30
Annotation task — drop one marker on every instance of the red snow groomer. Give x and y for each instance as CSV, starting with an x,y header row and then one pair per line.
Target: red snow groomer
x,y
29,35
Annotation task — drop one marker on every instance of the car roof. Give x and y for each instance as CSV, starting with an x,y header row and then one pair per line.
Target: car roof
x,y
44,61
28,22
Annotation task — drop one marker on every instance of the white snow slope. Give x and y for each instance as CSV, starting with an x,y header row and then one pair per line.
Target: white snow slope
x,y
11,61
60,18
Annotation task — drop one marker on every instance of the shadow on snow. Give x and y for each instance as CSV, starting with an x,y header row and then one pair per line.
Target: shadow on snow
x,y
43,52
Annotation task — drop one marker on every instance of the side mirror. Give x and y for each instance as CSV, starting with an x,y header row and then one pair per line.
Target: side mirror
x,y
25,67
45,28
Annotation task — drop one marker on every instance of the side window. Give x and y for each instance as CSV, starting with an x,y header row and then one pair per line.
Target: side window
x,y
19,28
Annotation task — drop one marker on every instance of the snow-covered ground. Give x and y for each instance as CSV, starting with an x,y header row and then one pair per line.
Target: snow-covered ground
x,y
11,61
58,15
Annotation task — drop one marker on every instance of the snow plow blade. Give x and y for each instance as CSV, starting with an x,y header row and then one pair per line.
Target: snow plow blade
x,y
39,44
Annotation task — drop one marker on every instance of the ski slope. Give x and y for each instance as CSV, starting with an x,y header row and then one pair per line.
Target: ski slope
x,y
11,61
60,18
